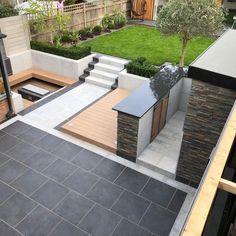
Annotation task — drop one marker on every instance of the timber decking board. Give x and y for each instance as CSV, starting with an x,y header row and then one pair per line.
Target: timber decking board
x,y
41,75
98,123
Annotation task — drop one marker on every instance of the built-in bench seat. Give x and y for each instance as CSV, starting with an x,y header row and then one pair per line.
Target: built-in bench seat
x,y
41,75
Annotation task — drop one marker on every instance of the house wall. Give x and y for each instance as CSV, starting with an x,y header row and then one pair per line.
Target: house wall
x,y
229,5
144,131
207,112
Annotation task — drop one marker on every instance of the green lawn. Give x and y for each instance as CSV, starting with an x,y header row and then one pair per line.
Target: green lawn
x,y
137,41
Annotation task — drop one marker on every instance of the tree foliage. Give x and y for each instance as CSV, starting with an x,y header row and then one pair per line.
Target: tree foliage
x,y
190,18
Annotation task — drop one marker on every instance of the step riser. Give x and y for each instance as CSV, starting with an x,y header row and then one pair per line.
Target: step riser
x,y
94,74
105,69
111,63
98,83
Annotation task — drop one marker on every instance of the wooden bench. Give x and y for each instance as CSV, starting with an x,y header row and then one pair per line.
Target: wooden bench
x,y
41,75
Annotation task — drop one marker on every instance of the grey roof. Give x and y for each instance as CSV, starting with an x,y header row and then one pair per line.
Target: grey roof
x,y
221,56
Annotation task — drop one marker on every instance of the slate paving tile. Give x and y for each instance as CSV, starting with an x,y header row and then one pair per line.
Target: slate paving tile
x,y
177,201
11,170
87,160
2,133
5,192
50,194
6,230
108,169
22,151
16,208
100,222
81,181
29,182
66,229
104,193
7,142
132,180
129,229
59,170
49,142
67,151
158,220
32,135
17,128
131,206
158,192
38,223
3,158
73,207
40,160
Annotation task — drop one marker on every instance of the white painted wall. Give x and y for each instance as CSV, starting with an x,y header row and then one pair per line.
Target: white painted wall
x,y
178,97
17,102
21,61
129,81
174,99
144,132
60,65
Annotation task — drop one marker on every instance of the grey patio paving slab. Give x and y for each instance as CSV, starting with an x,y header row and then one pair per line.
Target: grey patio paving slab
x,y
22,151
66,229
67,151
28,182
77,192
39,222
50,194
5,192
73,207
6,230
2,133
59,170
17,128
3,158
87,159
100,222
32,135
16,208
7,142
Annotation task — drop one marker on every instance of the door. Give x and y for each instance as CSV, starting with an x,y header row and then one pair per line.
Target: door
x,y
163,112
149,11
156,121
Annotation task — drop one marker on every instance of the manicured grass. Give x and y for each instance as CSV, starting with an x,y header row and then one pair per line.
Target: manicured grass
x,y
138,41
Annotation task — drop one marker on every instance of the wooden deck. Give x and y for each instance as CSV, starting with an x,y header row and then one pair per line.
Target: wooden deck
x,y
41,75
98,123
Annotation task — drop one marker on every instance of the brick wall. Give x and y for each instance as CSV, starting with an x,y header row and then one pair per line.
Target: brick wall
x,y
208,109
3,109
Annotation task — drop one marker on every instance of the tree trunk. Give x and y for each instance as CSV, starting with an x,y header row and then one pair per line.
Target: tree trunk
x,y
184,44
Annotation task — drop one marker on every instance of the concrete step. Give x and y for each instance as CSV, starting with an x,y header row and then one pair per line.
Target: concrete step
x,y
113,61
103,75
108,68
99,82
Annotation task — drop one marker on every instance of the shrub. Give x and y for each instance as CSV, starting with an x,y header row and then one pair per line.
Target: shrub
x,y
97,29
7,10
107,22
69,2
141,67
75,52
119,19
69,37
83,34
89,33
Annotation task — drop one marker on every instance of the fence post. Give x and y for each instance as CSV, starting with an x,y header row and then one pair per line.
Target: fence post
x,y
84,15
121,6
105,7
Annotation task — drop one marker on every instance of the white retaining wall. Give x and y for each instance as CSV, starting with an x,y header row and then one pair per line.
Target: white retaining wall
x,y
178,97
129,81
144,131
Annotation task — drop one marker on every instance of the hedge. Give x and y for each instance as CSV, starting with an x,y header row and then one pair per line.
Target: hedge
x,y
142,67
74,52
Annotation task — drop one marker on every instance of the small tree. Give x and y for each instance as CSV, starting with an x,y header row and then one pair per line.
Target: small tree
x,y
190,18
44,17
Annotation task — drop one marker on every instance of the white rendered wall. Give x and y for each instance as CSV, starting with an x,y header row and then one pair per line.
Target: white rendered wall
x,y
144,131
21,61
129,81
17,102
185,93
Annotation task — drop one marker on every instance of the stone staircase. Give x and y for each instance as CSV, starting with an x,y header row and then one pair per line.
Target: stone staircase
x,y
103,71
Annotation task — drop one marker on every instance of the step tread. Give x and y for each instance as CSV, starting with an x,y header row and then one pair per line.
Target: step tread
x,y
99,80
103,65
114,59
104,73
